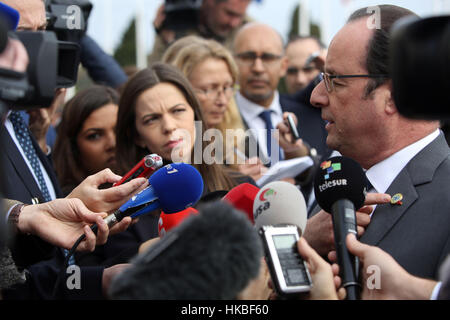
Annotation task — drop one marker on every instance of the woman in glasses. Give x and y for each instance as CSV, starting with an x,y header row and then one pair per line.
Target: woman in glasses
x,y
212,72
159,113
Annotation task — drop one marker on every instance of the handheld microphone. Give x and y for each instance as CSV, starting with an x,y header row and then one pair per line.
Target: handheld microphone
x,y
340,188
143,169
242,198
173,188
280,203
168,221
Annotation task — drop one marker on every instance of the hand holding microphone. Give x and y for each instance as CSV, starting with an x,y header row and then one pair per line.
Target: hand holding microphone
x,y
340,188
280,218
173,188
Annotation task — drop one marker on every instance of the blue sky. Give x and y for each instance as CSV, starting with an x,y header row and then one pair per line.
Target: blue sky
x,y
110,18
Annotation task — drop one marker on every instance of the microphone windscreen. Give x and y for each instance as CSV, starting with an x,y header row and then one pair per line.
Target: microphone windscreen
x,y
178,186
280,203
337,179
211,256
242,197
168,221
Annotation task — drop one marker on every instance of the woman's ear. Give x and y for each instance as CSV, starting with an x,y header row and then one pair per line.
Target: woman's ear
x,y
140,142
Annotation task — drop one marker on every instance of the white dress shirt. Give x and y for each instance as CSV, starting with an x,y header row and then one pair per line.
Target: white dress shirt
x,y
48,181
250,112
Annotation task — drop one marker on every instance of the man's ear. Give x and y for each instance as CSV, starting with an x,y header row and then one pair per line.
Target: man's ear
x,y
283,67
390,107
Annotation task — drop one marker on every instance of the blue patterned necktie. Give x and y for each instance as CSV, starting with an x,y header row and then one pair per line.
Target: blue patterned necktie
x,y
23,136
266,116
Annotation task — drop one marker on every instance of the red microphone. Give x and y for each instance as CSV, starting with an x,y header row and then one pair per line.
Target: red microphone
x,y
143,169
170,221
242,198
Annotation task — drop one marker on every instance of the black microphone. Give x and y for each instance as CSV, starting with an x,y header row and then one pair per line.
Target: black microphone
x,y
340,188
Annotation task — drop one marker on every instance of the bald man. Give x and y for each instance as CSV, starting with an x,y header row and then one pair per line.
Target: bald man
x,y
259,52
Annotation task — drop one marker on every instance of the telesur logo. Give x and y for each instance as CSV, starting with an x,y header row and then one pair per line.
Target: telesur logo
x,y
330,168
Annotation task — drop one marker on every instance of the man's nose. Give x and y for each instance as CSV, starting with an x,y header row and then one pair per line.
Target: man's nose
x,y
319,96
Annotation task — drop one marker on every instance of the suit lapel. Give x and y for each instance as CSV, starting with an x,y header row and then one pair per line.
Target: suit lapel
x,y
19,164
420,170
386,216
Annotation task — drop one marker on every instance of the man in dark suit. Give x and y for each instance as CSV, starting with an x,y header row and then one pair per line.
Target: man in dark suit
x,y
29,177
262,63
408,159
261,59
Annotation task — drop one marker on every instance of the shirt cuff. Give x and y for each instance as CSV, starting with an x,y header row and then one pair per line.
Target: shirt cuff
x,y
435,294
9,212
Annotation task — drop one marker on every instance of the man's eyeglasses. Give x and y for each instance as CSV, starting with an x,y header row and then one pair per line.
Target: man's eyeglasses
x,y
329,84
213,93
249,58
293,71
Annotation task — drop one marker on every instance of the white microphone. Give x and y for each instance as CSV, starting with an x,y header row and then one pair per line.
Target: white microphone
x,y
280,203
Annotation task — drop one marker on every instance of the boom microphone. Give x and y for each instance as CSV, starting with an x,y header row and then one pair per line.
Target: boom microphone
x,y
242,198
340,188
280,203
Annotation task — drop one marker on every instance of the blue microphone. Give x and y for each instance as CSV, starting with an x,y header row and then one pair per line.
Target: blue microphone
x,y
173,188
10,15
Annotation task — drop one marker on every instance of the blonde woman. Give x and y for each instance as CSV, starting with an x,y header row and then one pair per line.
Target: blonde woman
x,y
212,72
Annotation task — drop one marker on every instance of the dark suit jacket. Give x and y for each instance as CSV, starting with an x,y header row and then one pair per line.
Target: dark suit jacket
x,y
42,259
310,125
18,183
417,233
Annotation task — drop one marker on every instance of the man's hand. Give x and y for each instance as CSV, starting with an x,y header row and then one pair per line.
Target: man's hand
x,y
319,230
324,277
14,57
106,200
395,283
292,149
61,222
168,36
109,274
253,168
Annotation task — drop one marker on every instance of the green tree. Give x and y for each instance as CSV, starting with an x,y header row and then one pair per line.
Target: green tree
x,y
315,29
125,53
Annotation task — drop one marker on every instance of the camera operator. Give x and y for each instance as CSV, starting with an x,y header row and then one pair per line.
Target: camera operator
x,y
210,19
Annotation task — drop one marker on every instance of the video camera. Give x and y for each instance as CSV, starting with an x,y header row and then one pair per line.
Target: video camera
x,y
180,14
68,18
420,67
53,63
